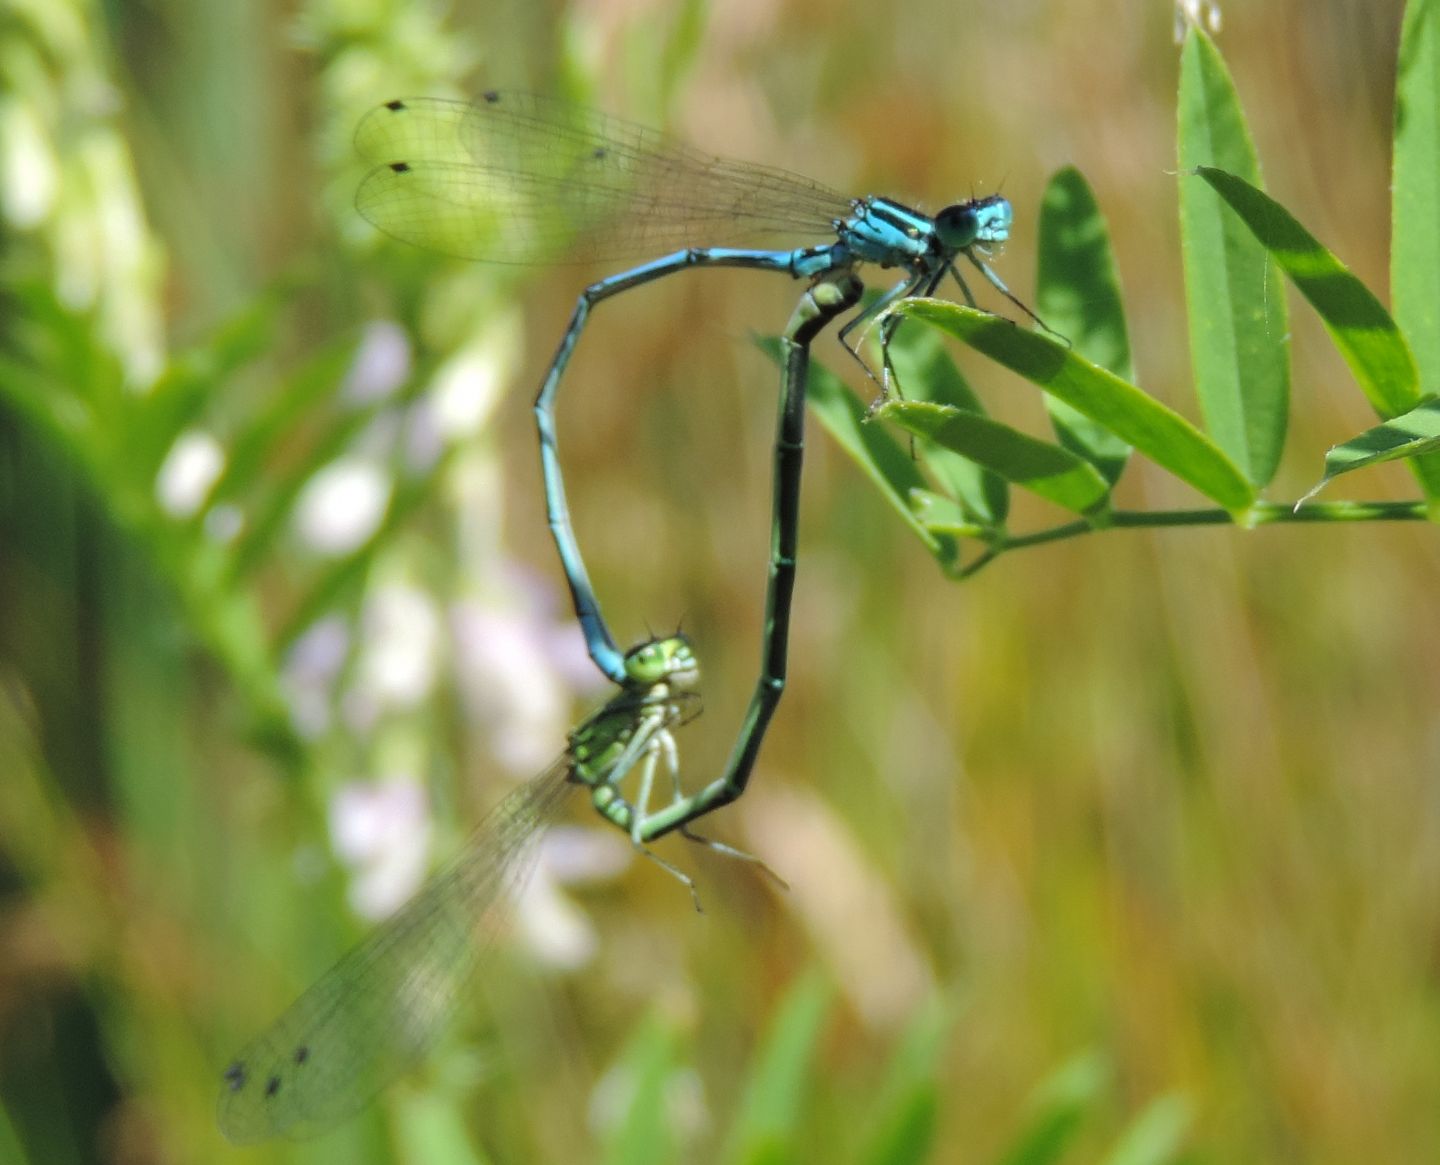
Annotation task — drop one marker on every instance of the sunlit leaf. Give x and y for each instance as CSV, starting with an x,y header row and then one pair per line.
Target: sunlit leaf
x,y
1239,331
1048,470
1077,293
1160,433
1412,434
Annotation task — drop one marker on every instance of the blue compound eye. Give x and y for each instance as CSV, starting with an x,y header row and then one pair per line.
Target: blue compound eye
x,y
979,220
958,226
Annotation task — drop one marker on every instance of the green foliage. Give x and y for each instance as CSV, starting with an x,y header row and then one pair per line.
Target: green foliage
x,y
1407,436
1054,473
1233,246
1077,293
1058,1110
1415,188
1136,418
1239,327
768,1122
1170,872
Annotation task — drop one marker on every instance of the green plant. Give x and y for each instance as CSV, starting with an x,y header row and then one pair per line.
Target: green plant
x,y
1236,241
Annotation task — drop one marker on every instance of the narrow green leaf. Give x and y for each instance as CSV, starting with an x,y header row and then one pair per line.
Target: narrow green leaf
x,y
909,1097
1054,473
1415,237
647,1065
943,515
257,443
1415,233
10,1147
682,46
431,1128
769,1117
65,416
1409,435
1156,1136
1161,434
1358,323
1077,293
1060,1106
893,472
924,369
194,378
1239,330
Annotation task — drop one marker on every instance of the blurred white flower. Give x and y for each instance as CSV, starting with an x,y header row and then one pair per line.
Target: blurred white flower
x,y
465,389
310,671
105,255
508,685
342,505
557,931
224,522
579,853
27,196
400,652
381,830
381,365
190,469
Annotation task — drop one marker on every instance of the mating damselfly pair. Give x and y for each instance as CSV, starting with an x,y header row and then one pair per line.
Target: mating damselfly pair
x,y
517,178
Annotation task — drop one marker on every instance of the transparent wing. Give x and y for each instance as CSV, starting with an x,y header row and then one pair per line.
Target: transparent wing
x,y
519,178
380,1008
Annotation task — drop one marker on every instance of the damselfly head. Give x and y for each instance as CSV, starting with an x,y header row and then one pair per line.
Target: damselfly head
x,y
976,220
670,660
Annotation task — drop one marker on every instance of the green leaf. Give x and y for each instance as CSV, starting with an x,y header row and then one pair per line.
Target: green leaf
x,y
681,47
1060,1106
924,368
909,1099
1409,435
10,1147
195,378
1239,332
1052,472
1156,1136
258,445
943,515
1161,434
429,1128
1077,293
647,1065
894,472
1358,323
1415,234
768,1120
1415,237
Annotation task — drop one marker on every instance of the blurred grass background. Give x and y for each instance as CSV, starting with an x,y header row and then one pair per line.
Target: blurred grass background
x,y
1125,849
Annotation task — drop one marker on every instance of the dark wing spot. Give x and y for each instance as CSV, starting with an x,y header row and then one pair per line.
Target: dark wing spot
x,y
491,97
235,1076
272,1086
302,1053
400,167
599,152
394,106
